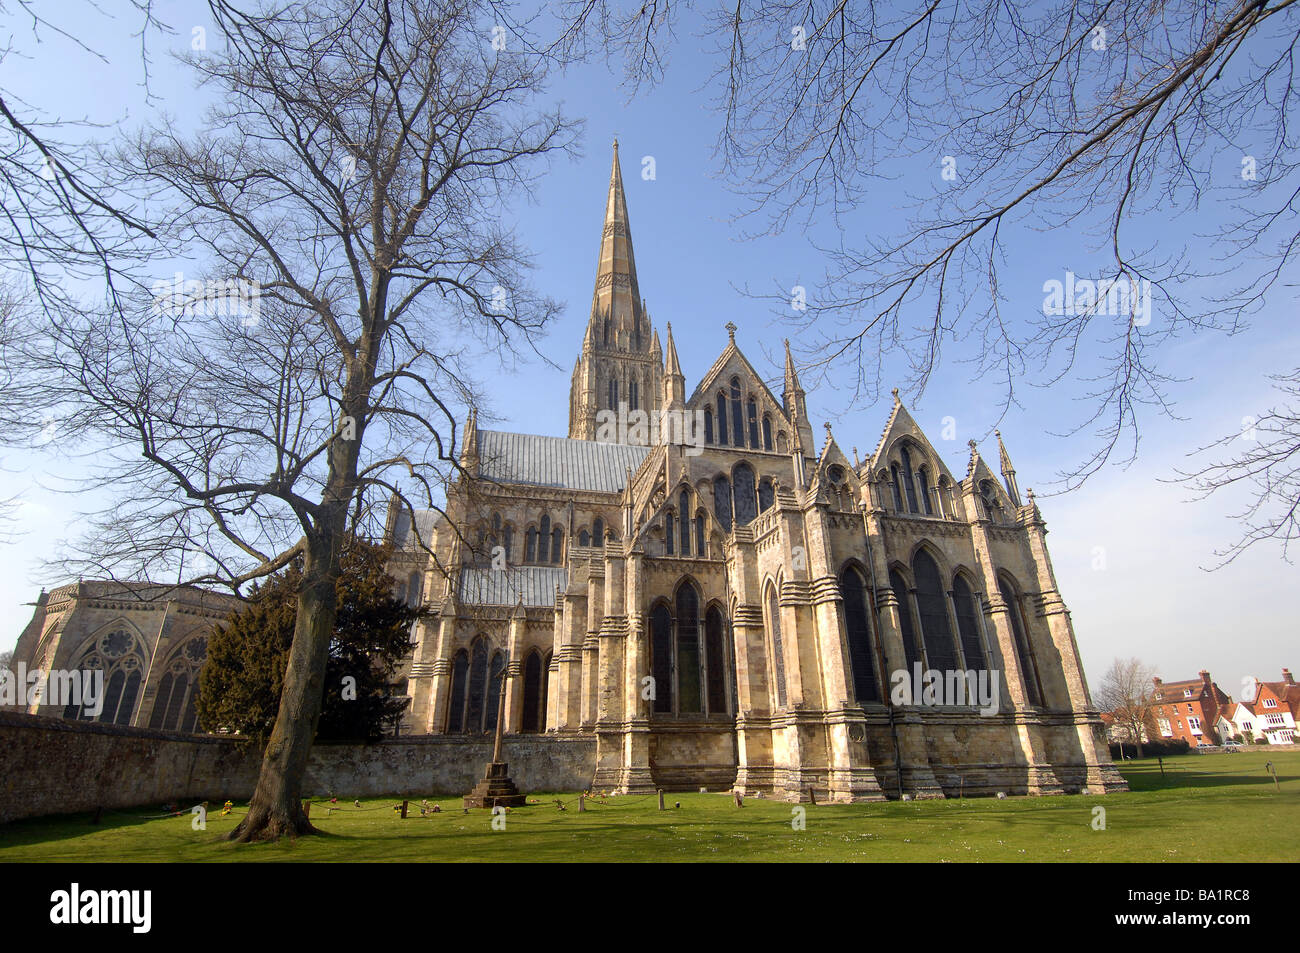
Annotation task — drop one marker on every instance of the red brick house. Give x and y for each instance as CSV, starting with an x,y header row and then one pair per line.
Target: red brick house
x,y
1276,707
1188,710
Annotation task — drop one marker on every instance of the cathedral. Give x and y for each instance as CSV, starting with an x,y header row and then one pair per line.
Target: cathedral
x,y
723,599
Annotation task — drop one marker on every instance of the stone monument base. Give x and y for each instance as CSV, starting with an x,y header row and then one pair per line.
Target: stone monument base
x,y
496,789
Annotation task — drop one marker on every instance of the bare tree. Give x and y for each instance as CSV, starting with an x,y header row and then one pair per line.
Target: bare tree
x,y
1127,692
345,206
1079,115
61,219
1266,467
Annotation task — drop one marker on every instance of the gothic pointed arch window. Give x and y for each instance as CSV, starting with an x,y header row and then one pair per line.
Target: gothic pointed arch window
x,y
546,688
684,529
613,394
715,661
633,396
492,703
530,545
176,705
751,412
923,475
722,418
661,657
745,493
989,498
967,612
584,538
459,690
767,433
940,650
543,537
557,545
508,543
478,684
911,651
909,485
699,534
737,419
773,620
689,698
722,502
414,588
708,426
598,532
857,624
119,653
1024,647
534,715
766,495
670,529
896,483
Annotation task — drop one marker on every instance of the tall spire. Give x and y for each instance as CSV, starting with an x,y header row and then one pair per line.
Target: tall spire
x,y
673,367
791,378
674,381
469,448
616,311
796,406
1008,471
621,362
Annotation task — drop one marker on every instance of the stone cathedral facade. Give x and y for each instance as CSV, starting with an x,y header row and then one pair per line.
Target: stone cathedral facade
x,y
728,604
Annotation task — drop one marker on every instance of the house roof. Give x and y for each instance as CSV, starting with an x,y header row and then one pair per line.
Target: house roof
x,y
1173,692
1288,693
533,585
556,461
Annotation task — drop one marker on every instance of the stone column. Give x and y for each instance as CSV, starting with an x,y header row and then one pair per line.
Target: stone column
x,y
609,675
441,691
753,730
635,776
514,713
591,647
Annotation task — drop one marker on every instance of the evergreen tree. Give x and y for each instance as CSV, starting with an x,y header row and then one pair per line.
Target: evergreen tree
x,y
243,676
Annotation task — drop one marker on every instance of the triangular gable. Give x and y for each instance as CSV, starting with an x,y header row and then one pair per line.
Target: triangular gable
x,y
977,471
901,424
831,456
732,362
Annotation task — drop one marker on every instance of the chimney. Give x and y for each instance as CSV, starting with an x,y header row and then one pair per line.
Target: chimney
x,y
1286,676
1158,682
1205,677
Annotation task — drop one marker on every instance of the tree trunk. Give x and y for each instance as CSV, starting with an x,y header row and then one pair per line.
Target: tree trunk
x,y
276,808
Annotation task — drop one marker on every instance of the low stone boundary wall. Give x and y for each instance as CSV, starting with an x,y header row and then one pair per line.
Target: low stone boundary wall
x,y
52,766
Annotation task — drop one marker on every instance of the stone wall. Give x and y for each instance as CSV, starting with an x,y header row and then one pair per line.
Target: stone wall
x,y
52,766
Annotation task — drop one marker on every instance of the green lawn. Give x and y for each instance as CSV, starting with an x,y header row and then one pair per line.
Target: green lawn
x,y
1204,808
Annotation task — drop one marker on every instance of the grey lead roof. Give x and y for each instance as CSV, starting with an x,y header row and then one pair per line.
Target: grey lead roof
x,y
425,522
556,461
504,587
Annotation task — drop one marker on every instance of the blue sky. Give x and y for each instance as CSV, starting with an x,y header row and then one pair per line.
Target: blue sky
x,y
1152,599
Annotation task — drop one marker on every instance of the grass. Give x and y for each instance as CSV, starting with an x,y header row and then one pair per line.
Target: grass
x,y
1203,808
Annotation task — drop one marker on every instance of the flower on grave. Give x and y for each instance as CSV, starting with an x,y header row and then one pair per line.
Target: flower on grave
x,y
226,808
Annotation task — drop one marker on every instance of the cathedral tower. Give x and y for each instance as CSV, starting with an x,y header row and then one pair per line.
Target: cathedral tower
x,y
622,361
